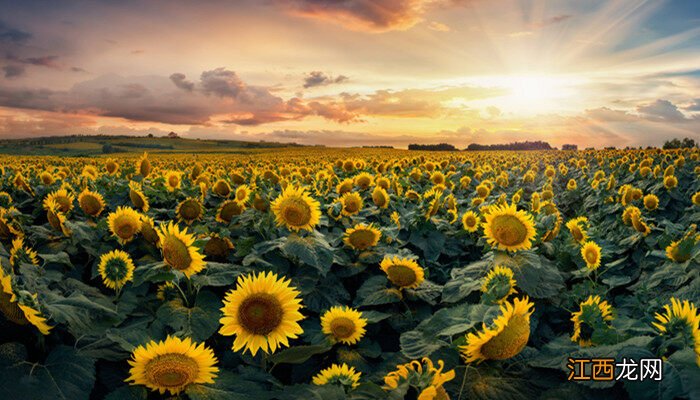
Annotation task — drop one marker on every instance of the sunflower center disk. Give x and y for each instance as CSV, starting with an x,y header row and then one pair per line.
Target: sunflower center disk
x,y
190,210
260,313
296,212
351,206
591,256
509,230
510,341
342,327
176,253
91,205
576,233
171,370
401,275
125,229
11,310
362,239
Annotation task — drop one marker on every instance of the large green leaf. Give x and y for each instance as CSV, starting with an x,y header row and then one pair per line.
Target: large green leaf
x,y
198,322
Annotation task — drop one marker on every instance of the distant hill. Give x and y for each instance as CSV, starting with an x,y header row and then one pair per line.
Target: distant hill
x,y
538,145
90,145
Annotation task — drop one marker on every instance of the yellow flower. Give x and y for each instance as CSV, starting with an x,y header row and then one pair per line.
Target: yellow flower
x,y
403,272
680,320
422,375
681,250
590,252
91,202
178,249
380,197
345,186
189,210
62,198
571,185
471,221
20,310
508,336
143,165
592,313
262,312
342,374
137,197
651,202
361,236
343,324
352,203
124,223
296,210
499,284
172,180
218,247
116,269
363,180
243,193
670,182
221,188
229,209
577,227
172,365
56,218
507,228
696,198
20,254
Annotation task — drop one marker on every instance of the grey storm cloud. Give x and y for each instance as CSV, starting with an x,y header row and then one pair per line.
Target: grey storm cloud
x,y
222,82
318,78
661,110
180,80
13,71
9,34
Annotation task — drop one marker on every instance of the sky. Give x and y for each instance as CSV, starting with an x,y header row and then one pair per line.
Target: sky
x,y
354,72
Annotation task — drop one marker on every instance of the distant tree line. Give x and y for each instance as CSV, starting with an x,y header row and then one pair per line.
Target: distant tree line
x,y
686,143
432,147
569,147
527,145
378,147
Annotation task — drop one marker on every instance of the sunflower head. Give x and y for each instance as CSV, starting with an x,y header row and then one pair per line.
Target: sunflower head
x,y
20,307
403,272
243,193
116,269
63,198
680,323
591,321
345,186
137,197
651,202
91,202
111,166
505,339
577,227
498,285
363,180
20,254
670,182
221,188
229,209
421,376
590,252
338,374
124,223
178,249
362,236
189,210
681,250
296,210
172,365
262,312
471,221
343,324
352,203
380,197
143,165
507,228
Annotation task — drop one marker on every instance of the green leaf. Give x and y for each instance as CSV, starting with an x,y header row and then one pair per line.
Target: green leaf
x,y
198,322
218,274
128,393
298,354
226,386
61,258
154,272
311,250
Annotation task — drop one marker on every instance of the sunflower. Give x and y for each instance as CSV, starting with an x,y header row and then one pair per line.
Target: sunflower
x,y
423,376
173,180
498,284
508,336
403,272
189,210
21,310
137,197
167,291
148,230
342,374
343,324
91,202
172,365
681,250
506,228
651,202
352,203
296,210
90,172
229,209
362,236
143,165
590,252
577,227
670,182
363,180
593,316
63,199
218,247
243,193
47,178
116,269
380,197
470,221
696,199
124,223
262,312
21,183
56,218
178,250
483,191
5,199
345,186
111,166
396,219
681,323
221,188
20,254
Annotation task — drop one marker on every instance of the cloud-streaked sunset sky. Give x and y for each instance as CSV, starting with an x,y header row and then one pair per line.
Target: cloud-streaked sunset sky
x,y
354,72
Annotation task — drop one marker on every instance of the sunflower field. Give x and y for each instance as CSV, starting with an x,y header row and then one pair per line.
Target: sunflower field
x,y
315,273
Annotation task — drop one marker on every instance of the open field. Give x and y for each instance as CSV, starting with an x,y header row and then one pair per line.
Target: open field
x,y
296,273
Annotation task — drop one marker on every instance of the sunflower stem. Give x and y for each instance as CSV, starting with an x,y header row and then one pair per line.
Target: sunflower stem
x,y
184,297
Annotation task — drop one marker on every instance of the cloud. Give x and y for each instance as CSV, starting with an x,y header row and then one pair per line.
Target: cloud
x,y
661,110
605,114
694,107
43,61
13,71
221,82
181,82
318,78
438,27
551,21
8,34
364,15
